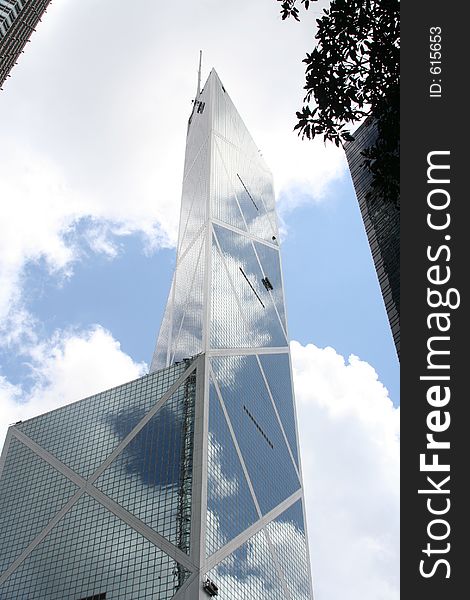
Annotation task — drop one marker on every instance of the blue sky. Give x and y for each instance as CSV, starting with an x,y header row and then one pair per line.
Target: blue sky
x,y
329,275
91,161
332,292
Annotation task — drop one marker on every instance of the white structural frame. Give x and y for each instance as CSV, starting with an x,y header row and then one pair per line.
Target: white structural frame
x,y
205,564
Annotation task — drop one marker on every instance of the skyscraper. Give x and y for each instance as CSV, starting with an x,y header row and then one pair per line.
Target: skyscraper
x,y
18,19
381,217
186,483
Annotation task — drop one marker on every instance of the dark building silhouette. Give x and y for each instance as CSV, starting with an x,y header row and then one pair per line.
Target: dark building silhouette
x,y
18,19
381,218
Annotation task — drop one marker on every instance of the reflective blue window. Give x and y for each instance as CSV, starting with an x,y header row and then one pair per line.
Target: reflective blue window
x,y
225,204
31,493
152,476
82,435
90,551
287,535
188,301
249,573
256,428
270,261
241,277
230,507
277,372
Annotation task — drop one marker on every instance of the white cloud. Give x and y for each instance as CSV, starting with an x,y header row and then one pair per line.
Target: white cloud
x,y
348,430
32,218
303,169
289,545
66,368
221,486
39,221
95,131
96,127
349,434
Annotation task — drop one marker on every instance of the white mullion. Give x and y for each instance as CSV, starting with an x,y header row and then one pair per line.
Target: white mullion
x,y
182,236
171,308
237,300
245,233
233,188
277,565
192,581
186,300
180,257
249,532
274,227
235,442
208,240
204,464
249,351
141,424
194,199
186,173
266,383
114,507
269,291
42,534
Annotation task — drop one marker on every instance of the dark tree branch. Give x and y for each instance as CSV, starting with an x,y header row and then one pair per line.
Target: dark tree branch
x,y
353,72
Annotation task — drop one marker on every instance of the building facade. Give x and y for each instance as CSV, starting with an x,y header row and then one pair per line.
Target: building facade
x,y
95,497
186,483
381,219
18,19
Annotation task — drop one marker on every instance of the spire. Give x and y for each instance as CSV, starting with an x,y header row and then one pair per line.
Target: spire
x,y
226,304
227,288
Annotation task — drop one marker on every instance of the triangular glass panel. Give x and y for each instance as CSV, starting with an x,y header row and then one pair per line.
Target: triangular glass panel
x,y
194,198
227,327
83,434
256,429
188,301
247,185
230,506
287,535
92,552
277,371
160,355
249,573
31,493
249,175
262,324
224,201
270,262
223,121
152,476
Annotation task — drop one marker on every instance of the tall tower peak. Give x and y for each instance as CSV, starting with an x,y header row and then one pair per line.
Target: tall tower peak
x,y
227,290
226,304
185,483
